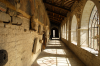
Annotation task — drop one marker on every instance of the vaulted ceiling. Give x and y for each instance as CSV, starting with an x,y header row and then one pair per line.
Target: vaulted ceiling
x,y
58,9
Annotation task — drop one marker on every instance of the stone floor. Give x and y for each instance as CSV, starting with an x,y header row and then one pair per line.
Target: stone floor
x,y
56,54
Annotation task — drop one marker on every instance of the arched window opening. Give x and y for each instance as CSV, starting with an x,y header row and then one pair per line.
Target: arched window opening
x,y
54,33
94,29
84,30
73,30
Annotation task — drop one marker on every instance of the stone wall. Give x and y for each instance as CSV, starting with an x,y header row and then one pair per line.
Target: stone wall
x,y
16,36
85,56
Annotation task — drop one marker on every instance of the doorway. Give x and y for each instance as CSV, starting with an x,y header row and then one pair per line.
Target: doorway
x,y
54,33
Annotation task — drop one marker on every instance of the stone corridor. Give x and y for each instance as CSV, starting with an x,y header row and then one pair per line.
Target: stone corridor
x,y
56,54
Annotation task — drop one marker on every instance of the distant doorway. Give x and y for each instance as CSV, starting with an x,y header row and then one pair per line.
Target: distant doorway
x,y
54,33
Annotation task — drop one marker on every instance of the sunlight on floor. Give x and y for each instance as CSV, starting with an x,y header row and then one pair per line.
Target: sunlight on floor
x,y
53,61
56,54
55,38
55,51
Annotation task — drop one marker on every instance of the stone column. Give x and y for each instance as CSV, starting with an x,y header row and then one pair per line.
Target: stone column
x,y
78,37
66,30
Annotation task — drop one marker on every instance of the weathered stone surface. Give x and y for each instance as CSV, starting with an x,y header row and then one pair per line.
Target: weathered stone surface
x,y
3,7
16,20
11,12
19,40
35,47
34,24
17,5
41,41
4,17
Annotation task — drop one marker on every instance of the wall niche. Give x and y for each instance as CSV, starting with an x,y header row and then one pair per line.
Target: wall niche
x,y
3,57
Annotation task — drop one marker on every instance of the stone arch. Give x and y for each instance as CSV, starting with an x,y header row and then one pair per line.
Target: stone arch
x,y
54,27
73,30
84,33
86,14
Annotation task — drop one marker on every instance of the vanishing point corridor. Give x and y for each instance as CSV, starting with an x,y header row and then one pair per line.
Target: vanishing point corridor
x,y
56,54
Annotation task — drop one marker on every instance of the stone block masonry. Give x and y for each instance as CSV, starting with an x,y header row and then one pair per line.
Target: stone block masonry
x,y
16,37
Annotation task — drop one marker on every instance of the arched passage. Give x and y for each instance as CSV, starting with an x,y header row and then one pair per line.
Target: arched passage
x,y
73,30
54,33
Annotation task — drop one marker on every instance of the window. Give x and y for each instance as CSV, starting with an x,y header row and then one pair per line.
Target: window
x,y
94,29
73,30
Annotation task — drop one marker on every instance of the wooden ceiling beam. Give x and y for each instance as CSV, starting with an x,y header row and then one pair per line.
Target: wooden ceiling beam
x,y
62,3
57,6
56,17
55,23
55,0
56,20
74,0
52,1
56,13
70,3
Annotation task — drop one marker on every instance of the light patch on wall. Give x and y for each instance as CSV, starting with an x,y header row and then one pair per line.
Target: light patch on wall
x,y
53,33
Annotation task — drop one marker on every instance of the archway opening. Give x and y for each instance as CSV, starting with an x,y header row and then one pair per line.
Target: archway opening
x,y
84,41
89,27
73,30
94,29
54,33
